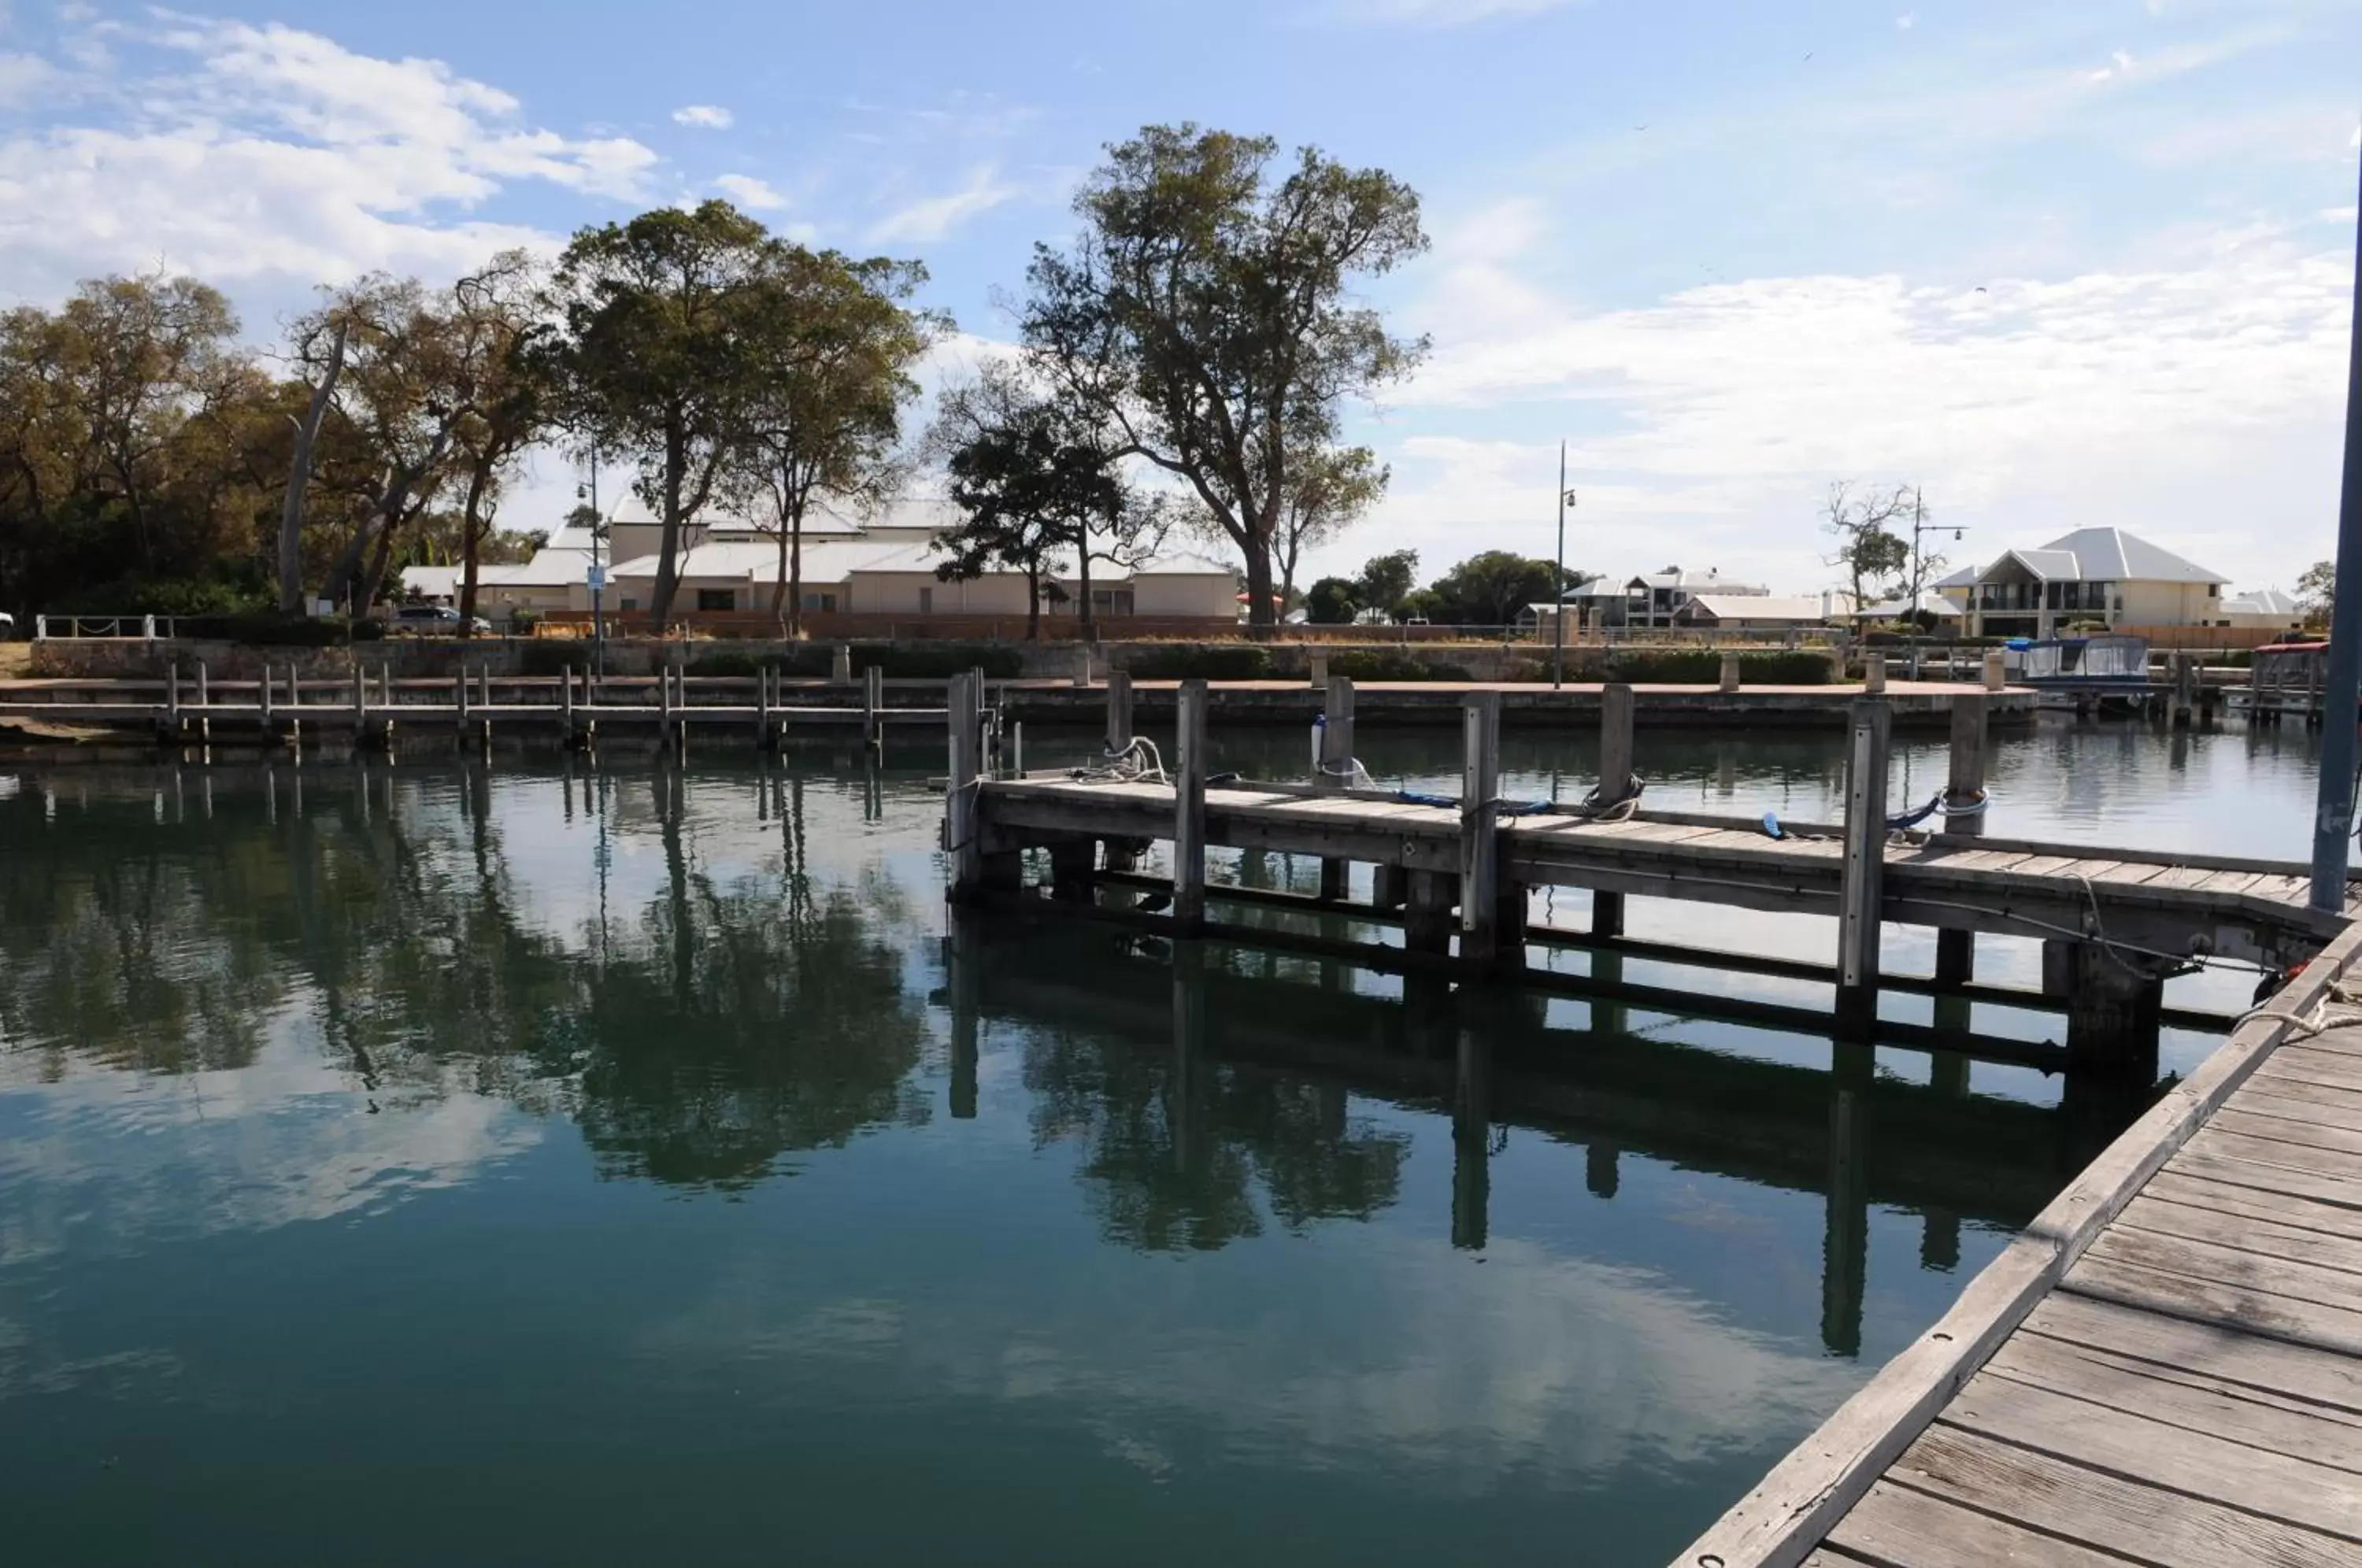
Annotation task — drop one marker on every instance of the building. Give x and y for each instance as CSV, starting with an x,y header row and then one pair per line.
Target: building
x,y
1932,604
1754,612
1654,600
880,570
2266,609
2092,578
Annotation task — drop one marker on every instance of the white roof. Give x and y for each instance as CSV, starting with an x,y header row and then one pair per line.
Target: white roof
x,y
2100,554
1964,578
824,560
2263,602
1756,607
1930,603
1710,580
431,582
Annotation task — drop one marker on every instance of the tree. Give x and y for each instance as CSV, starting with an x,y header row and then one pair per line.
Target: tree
x,y
1205,309
1327,493
1331,601
1868,549
659,353
2316,593
319,349
511,406
1038,473
1387,580
836,347
1493,589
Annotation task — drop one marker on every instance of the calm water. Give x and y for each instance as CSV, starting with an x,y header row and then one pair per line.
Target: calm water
x,y
433,1165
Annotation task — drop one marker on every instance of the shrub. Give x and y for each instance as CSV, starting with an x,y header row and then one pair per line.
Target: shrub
x,y
1703,666
937,661
1189,661
269,629
543,657
1390,664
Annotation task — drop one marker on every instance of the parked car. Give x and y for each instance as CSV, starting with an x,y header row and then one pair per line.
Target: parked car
x,y
431,621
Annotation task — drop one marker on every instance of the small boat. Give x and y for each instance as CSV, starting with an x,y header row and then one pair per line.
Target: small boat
x,y
2107,669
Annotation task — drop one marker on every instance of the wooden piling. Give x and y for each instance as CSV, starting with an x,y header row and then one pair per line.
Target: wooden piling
x,y
960,815
1189,812
1873,672
1335,773
460,702
1865,866
172,699
1320,672
1730,672
1615,708
263,702
1119,713
1428,901
1481,940
205,691
1996,672
840,665
762,706
1082,664
360,703
873,703
2112,1003
1471,1141
1956,951
566,703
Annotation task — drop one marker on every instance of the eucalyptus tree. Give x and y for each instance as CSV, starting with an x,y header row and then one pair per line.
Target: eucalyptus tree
x,y
658,353
1207,306
836,344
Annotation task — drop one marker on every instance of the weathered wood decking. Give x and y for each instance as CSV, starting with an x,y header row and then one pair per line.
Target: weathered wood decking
x,y
2166,1368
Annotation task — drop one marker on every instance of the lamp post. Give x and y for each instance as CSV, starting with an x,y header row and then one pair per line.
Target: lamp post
x,y
1919,527
1557,580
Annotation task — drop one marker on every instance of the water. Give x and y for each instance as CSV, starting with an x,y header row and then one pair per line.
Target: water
x,y
623,1166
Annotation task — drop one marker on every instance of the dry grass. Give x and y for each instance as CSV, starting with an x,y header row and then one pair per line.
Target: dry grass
x,y
15,660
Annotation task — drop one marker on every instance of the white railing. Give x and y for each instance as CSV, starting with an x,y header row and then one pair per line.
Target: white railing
x,y
101,628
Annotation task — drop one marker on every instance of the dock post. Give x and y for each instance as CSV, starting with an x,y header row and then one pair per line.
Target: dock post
x,y
762,706
484,675
172,699
204,690
873,704
2112,1002
1482,940
1319,672
1615,783
1189,812
2185,690
1873,672
1956,951
960,814
840,665
1865,866
566,703
1119,713
963,981
1996,672
1730,672
1336,761
1082,663
1845,1243
360,703
263,702
460,702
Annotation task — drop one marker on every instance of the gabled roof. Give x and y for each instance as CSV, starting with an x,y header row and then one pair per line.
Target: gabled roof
x,y
1756,607
2111,555
2263,602
1710,580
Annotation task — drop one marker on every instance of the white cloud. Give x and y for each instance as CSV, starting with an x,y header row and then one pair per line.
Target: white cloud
x,y
704,116
2195,401
1906,21
749,192
934,216
240,151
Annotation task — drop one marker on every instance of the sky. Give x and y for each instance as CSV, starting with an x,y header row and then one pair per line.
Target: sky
x,y
2056,265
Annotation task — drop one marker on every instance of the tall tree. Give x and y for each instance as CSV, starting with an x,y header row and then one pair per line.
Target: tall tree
x,y
1869,550
1205,307
1387,580
659,353
837,344
510,405
2316,593
319,350
1494,588
1328,492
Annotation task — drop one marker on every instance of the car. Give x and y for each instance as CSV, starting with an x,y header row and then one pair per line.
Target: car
x,y
431,621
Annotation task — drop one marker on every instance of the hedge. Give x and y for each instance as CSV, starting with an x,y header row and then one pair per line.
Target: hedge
x,y
1703,667
815,661
1183,661
1387,664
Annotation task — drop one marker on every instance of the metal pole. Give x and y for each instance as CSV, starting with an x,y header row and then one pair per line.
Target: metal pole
x,y
1558,582
2342,703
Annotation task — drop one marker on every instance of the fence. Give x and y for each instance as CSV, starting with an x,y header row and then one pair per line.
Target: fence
x,y
102,628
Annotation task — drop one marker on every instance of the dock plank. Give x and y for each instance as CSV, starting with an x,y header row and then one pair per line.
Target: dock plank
x,y
2181,1185
2266,1368
1900,1527
2079,1509
2285,1318
2307,1131
2199,1464
2251,1234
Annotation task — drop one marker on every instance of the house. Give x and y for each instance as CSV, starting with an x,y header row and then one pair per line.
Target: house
x,y
2271,609
1654,600
2092,577
1755,611
1931,603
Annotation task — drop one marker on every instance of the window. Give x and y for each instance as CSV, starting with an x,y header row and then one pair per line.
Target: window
x,y
823,601
717,599
630,602
926,602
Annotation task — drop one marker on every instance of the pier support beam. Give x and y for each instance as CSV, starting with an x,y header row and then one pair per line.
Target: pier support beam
x,y
2112,1003
1189,812
1481,937
1074,868
1865,866
1427,910
960,814
1471,1141
1389,886
840,665
1336,770
1615,784
1956,951
1845,1244
1119,713
873,704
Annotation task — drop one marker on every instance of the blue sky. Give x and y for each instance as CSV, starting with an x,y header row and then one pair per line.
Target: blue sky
x,y
2061,265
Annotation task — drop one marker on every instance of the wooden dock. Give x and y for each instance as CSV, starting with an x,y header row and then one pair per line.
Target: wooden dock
x,y
1457,873
2164,1368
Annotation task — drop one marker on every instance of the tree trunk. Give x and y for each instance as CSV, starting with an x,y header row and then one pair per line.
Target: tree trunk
x,y
1083,582
1259,606
675,471
779,585
372,582
299,481
1033,602
795,572
472,539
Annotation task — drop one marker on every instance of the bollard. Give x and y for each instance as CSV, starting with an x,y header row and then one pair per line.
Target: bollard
x,y
1320,672
1996,672
1873,672
840,665
1119,713
1730,672
1082,664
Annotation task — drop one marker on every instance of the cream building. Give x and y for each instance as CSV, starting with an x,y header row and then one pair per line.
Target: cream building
x,y
2092,577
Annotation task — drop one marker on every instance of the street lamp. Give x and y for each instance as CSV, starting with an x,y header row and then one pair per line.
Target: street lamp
x,y
1557,580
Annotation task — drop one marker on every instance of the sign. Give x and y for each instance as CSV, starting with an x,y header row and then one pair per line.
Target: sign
x,y
598,578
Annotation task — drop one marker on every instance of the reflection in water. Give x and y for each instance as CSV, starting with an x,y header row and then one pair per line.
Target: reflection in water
x,y
328,1122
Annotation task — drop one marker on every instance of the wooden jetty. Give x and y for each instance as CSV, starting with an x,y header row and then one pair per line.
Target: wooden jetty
x,y
1458,873
2164,1368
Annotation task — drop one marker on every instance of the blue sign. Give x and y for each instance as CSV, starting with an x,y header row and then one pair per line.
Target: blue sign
x,y
598,578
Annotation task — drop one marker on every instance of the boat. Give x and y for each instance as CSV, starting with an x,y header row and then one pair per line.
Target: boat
x,y
2107,669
